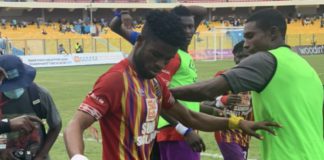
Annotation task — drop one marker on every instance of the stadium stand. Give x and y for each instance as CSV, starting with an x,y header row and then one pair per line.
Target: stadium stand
x,y
94,1
156,1
216,1
222,30
297,34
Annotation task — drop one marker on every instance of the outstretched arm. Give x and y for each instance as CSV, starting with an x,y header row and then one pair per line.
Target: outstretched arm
x,y
195,119
209,123
208,108
73,134
205,90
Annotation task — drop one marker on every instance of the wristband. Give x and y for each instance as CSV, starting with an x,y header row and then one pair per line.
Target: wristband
x,y
181,129
234,121
5,126
117,13
224,100
79,157
219,103
188,131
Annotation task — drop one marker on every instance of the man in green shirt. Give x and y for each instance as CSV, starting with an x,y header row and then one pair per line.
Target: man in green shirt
x,y
285,89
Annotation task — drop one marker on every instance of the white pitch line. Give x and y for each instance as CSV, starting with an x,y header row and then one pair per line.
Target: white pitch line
x,y
202,154
216,155
211,155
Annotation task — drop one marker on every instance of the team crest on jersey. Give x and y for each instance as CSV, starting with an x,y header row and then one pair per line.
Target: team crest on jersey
x,y
148,132
152,109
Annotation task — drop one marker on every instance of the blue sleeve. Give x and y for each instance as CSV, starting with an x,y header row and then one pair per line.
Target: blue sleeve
x,y
133,37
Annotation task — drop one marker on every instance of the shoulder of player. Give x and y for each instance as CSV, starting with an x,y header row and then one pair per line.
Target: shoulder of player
x,y
113,76
260,54
176,58
120,66
263,57
116,70
161,80
172,66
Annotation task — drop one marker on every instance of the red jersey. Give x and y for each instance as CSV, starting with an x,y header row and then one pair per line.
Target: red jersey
x,y
127,107
243,110
170,69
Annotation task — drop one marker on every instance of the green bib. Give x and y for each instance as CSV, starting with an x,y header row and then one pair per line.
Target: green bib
x,y
185,75
293,98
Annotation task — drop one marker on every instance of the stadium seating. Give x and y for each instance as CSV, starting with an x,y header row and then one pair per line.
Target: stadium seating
x,y
215,1
38,43
144,1
127,1
32,32
201,1
95,1
252,0
43,0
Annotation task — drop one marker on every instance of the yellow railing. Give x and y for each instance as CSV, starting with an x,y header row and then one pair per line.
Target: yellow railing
x,y
91,45
32,41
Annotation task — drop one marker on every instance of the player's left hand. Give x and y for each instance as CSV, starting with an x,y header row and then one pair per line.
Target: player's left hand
x,y
195,141
233,100
250,127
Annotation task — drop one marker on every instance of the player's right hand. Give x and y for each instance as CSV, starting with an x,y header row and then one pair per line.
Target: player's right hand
x,y
195,141
251,127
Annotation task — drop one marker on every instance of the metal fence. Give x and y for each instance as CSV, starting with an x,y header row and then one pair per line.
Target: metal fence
x,y
50,46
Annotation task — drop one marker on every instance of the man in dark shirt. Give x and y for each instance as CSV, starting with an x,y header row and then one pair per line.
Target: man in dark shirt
x,y
19,123
16,99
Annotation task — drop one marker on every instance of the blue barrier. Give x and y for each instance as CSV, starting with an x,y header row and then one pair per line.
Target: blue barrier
x,y
17,52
